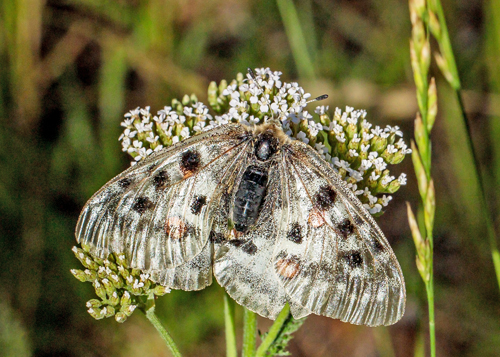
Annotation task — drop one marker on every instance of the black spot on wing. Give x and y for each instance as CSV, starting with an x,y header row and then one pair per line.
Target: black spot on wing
x,y
295,233
125,182
190,162
377,246
354,259
142,204
197,204
246,245
160,180
324,199
346,228
215,237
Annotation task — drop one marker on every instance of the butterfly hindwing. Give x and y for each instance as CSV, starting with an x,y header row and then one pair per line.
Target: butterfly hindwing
x,y
243,265
332,258
159,212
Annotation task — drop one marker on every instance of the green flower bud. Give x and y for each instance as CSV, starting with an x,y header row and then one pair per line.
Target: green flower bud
x,y
108,311
114,299
393,186
128,310
116,280
94,303
123,272
99,289
110,289
120,317
126,299
378,143
396,158
79,274
160,290
95,313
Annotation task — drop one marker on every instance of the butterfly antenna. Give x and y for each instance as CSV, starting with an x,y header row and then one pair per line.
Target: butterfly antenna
x,y
317,99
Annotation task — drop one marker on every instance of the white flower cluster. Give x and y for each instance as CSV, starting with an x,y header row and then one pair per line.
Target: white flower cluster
x,y
366,155
358,152
142,133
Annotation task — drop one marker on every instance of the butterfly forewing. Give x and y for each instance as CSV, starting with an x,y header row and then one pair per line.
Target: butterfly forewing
x,y
159,211
342,264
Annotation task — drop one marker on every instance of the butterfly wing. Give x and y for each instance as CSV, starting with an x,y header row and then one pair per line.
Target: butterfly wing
x,y
244,266
332,258
160,212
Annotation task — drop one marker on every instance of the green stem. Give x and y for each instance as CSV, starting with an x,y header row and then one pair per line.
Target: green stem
x,y
296,38
231,350
429,287
150,314
489,219
274,332
249,333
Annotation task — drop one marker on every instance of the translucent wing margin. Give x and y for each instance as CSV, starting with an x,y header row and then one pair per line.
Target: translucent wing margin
x,y
332,258
159,212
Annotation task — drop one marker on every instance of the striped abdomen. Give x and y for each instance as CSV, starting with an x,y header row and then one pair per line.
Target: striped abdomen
x,y
249,198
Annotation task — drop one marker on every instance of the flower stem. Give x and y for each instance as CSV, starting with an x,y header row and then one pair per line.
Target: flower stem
x,y
249,333
429,287
231,350
150,314
274,332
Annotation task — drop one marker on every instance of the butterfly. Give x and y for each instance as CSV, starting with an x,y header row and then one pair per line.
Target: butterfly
x,y
260,211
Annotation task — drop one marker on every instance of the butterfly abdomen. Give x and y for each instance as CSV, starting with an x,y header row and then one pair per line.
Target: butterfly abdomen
x,y
249,197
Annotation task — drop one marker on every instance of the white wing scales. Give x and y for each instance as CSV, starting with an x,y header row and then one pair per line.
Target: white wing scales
x,y
345,269
149,211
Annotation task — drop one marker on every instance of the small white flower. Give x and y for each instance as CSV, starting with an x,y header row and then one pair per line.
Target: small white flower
x,y
352,153
185,133
302,137
152,138
402,179
374,176
264,103
355,174
340,137
137,284
387,180
394,129
321,110
377,131
385,200
342,164
320,148
365,165
391,149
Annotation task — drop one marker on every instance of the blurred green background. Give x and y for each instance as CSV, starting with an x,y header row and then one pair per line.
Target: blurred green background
x,y
69,70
